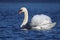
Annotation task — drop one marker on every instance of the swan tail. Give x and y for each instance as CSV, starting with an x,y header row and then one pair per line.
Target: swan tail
x,y
53,24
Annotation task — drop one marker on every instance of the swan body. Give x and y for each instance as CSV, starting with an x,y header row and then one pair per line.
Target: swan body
x,y
41,22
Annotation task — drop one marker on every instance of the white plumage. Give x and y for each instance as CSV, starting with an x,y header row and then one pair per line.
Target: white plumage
x,y
42,22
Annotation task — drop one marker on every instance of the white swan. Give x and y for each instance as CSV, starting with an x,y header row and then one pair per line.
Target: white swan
x,y
41,22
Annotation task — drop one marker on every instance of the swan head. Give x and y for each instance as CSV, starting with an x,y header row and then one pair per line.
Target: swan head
x,y
22,9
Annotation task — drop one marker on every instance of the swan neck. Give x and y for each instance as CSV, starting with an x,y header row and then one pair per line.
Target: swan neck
x,y
25,18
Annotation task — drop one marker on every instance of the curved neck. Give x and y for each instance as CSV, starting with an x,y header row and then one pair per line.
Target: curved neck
x,y
25,18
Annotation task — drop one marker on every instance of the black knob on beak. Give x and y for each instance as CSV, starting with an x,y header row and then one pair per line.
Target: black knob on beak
x,y
20,11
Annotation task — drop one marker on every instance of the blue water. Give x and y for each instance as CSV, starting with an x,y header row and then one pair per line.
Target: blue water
x,y
10,21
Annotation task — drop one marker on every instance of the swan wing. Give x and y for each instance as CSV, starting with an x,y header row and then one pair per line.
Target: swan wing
x,y
40,19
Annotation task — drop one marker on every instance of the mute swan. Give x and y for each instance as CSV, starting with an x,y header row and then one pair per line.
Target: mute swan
x,y
40,22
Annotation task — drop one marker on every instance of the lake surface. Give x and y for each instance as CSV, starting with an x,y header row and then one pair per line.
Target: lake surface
x,y
10,21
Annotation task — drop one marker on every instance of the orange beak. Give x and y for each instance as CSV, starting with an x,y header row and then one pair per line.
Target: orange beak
x,y
20,11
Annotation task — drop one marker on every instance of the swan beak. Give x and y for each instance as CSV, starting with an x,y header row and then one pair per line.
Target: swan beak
x,y
20,11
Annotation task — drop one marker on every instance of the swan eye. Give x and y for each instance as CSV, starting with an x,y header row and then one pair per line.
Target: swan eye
x,y
20,10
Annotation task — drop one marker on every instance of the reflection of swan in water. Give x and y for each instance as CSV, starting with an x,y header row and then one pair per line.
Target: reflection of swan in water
x,y
42,22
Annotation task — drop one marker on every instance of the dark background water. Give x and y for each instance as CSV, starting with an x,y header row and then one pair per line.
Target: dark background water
x,y
10,21
32,1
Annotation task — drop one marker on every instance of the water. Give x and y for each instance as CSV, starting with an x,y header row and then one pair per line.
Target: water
x,y
10,21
